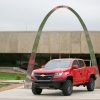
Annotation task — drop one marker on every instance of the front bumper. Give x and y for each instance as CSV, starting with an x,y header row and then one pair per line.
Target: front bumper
x,y
56,84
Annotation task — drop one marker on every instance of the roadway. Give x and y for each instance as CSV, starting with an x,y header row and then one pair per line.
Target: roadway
x,y
26,94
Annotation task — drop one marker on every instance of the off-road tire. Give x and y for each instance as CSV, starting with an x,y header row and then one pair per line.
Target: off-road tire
x,y
35,90
91,84
67,88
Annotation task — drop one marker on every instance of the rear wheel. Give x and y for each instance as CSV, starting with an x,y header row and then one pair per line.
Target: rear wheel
x,y
91,84
35,90
67,88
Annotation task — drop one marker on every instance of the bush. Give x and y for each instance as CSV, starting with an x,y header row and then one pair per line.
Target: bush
x,y
18,77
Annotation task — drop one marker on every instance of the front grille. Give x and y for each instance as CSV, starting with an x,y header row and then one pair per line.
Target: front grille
x,y
43,76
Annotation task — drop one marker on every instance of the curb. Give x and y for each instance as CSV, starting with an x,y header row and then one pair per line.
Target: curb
x,y
13,81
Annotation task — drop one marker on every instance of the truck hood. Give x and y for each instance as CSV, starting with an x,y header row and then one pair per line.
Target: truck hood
x,y
43,70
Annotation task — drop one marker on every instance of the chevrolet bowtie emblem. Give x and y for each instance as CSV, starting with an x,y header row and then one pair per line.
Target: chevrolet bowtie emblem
x,y
42,75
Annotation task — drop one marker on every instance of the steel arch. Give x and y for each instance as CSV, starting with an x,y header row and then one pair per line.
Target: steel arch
x,y
38,35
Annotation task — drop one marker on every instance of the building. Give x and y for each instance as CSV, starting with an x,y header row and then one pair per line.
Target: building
x,y
15,47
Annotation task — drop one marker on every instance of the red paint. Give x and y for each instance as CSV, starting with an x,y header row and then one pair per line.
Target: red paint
x,y
80,75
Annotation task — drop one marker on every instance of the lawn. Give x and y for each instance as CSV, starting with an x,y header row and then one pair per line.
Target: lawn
x,y
12,76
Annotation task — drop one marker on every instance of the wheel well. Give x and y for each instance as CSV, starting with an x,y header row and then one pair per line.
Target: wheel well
x,y
70,78
93,76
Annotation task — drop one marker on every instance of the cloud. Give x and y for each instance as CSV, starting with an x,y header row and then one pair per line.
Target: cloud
x,y
28,14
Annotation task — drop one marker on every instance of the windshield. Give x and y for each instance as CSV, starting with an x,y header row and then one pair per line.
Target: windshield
x,y
57,64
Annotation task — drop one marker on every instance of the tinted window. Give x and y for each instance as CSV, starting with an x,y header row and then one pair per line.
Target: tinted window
x,y
81,64
75,63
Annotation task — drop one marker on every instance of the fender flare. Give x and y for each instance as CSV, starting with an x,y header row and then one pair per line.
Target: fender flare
x,y
68,77
91,75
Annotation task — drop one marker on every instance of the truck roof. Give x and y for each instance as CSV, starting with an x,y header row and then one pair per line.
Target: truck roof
x,y
68,59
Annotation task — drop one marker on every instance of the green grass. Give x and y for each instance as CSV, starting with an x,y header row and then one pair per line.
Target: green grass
x,y
3,85
12,76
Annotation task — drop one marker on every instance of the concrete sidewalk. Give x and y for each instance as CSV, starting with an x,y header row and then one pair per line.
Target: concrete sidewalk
x,y
12,81
26,94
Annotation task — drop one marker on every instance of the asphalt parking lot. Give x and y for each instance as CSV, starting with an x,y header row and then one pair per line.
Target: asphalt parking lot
x,y
26,94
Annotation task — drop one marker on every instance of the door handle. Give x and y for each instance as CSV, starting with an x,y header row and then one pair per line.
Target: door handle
x,y
80,73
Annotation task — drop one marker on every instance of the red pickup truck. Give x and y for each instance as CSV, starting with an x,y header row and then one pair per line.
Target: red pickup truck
x,y
63,74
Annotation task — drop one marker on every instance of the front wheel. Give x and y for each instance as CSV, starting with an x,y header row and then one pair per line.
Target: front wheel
x,y
35,90
91,84
67,88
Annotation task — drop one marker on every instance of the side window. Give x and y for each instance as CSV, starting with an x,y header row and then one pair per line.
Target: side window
x,y
81,64
75,63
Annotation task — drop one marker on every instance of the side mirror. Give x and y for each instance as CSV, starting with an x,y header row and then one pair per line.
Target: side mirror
x,y
75,67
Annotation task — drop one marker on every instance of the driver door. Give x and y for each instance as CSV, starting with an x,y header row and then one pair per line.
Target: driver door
x,y
76,73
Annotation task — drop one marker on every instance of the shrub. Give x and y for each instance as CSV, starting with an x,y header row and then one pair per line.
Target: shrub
x,y
18,77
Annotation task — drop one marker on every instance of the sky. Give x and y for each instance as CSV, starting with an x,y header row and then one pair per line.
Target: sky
x,y
27,15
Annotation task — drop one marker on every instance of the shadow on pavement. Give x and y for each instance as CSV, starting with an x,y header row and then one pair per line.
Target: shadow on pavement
x,y
59,93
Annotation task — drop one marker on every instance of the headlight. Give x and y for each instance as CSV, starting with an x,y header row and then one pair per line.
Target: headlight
x,y
58,74
32,74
